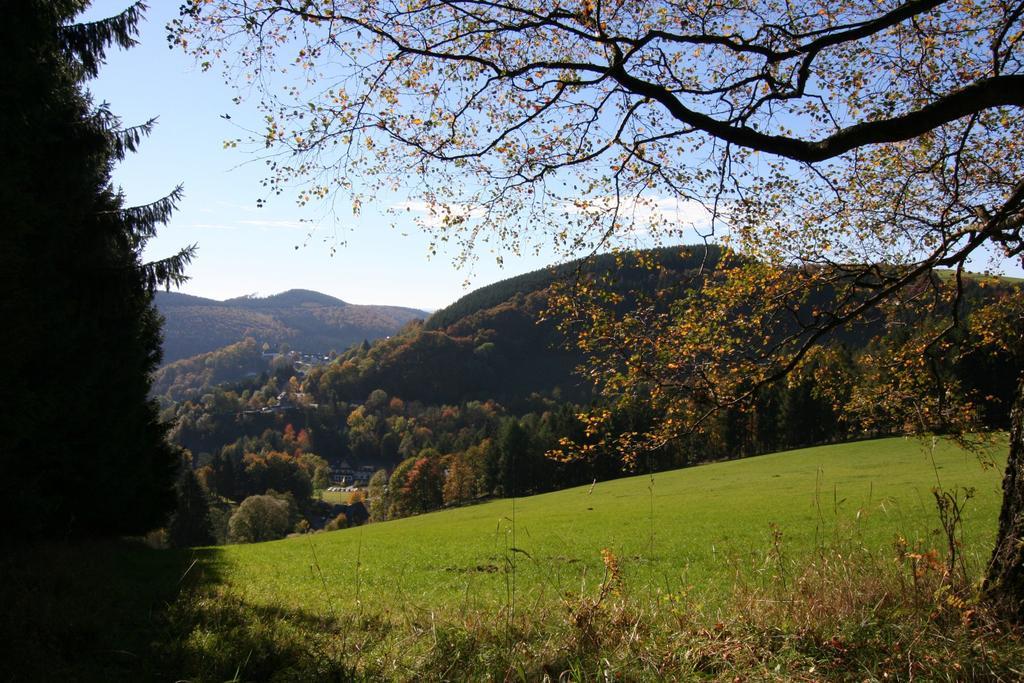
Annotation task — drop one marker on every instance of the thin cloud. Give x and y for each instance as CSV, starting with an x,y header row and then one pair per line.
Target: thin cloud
x,y
290,225
646,213
639,218
437,216
213,226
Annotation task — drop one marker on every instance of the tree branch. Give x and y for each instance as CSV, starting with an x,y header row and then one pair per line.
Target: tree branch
x,y
998,91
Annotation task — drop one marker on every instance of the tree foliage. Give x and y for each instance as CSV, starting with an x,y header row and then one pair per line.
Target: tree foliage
x,y
259,518
190,524
654,99
83,450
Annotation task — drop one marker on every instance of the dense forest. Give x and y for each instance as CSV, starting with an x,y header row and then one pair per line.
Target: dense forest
x,y
305,320
480,399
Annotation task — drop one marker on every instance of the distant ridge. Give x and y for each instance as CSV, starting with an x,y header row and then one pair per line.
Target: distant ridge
x,y
292,297
677,258
304,319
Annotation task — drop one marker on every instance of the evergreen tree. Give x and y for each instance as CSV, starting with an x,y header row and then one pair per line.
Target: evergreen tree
x,y
513,450
84,452
190,524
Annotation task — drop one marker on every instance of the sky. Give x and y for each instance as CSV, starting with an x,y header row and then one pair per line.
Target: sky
x,y
375,258
378,259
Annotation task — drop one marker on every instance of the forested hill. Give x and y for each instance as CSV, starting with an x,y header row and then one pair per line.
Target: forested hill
x,y
677,259
495,343
305,320
492,344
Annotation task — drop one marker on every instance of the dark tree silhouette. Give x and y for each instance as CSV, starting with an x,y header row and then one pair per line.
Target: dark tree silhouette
x,y
84,452
190,523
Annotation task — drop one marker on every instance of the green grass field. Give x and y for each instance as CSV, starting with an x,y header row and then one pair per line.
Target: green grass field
x,y
780,567
690,529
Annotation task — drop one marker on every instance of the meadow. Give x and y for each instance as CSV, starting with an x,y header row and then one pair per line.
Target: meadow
x,y
686,530
824,563
335,497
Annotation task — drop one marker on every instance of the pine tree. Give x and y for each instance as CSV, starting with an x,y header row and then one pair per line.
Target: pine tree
x,y
84,452
190,524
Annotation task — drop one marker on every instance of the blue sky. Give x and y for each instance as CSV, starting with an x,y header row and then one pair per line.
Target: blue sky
x,y
243,249
377,259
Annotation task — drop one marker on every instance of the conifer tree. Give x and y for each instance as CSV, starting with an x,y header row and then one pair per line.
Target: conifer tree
x,y
84,452
190,524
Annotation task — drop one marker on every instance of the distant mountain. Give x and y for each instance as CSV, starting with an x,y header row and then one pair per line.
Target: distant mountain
x,y
306,321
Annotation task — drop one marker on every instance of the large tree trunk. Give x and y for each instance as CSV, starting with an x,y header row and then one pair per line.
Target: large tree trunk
x,y
1004,585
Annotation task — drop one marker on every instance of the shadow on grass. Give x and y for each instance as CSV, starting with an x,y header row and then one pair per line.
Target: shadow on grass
x,y
96,610
231,639
118,610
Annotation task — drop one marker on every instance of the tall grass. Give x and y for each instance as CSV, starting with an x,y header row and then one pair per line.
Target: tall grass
x,y
846,613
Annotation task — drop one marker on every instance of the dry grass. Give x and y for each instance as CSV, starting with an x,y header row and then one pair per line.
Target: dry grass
x,y
846,615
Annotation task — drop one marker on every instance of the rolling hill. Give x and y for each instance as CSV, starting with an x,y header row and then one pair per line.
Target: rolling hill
x,y
305,320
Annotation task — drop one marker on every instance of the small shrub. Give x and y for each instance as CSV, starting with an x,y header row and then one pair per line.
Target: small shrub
x,y
339,522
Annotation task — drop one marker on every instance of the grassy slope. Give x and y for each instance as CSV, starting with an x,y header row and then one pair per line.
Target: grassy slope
x,y
434,594
708,522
